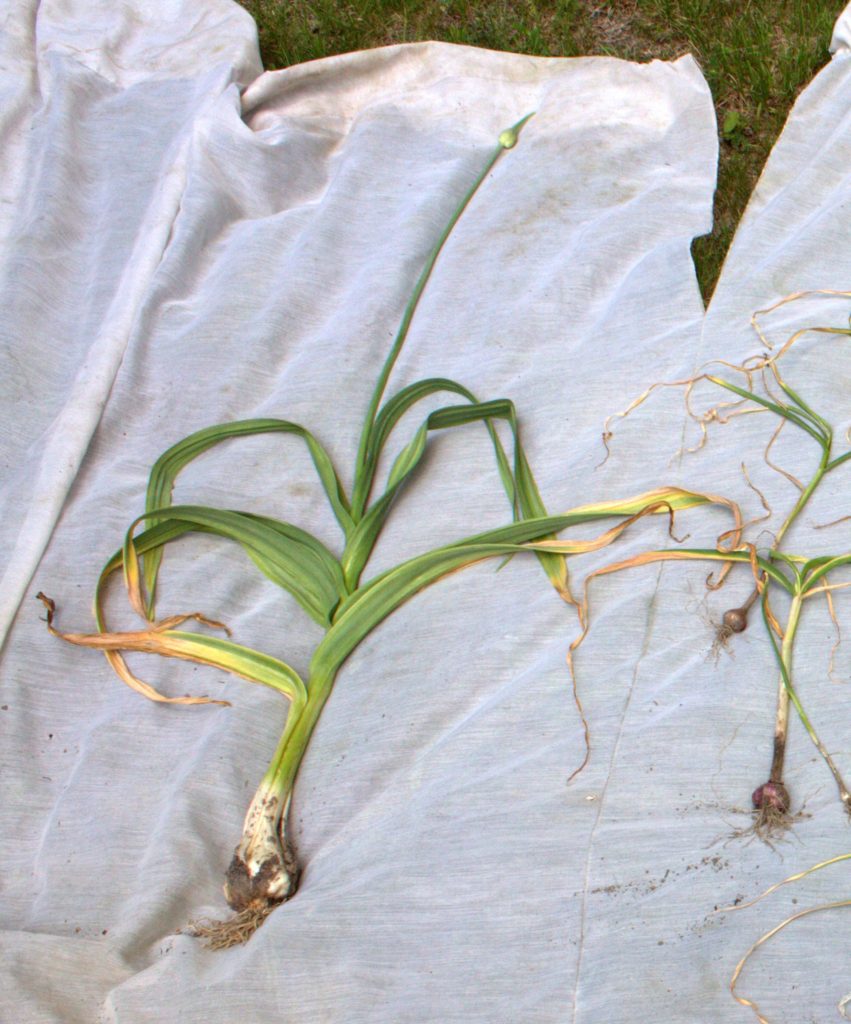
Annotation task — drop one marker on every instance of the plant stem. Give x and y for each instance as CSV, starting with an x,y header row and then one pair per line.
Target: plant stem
x,y
806,494
781,723
264,869
787,693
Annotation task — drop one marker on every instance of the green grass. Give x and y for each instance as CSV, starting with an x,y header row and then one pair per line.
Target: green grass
x,y
756,55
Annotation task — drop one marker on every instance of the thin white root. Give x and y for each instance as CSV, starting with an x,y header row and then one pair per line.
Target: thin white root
x,y
235,931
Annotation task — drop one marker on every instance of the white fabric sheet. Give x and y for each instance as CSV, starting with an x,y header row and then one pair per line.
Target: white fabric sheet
x,y
178,252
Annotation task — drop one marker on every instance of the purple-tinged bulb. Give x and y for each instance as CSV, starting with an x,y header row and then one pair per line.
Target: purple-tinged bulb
x,y
772,794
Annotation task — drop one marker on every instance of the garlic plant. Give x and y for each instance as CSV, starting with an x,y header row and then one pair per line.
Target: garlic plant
x,y
773,569
329,586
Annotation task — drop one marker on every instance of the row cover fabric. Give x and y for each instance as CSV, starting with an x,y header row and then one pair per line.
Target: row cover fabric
x,y
187,240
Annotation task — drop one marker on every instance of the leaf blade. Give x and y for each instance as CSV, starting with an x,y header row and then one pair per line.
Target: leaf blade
x,y
165,470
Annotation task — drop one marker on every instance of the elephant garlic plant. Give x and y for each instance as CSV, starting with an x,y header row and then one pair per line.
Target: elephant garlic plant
x,y
330,586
